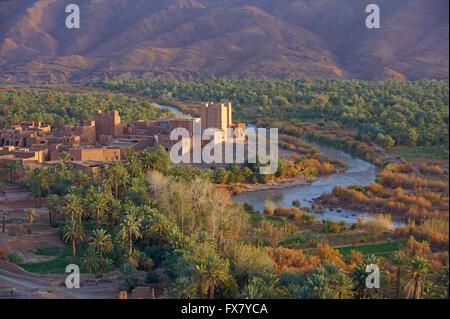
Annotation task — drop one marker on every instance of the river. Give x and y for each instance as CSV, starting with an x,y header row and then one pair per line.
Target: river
x,y
359,172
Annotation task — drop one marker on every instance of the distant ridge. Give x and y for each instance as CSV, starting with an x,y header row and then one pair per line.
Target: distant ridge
x,y
227,38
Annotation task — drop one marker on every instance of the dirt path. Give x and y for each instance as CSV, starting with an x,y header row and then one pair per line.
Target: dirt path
x,y
388,155
6,281
61,292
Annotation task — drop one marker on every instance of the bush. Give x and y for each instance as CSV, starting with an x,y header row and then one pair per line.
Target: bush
x,y
429,169
16,257
343,224
269,208
157,254
249,207
152,277
358,188
228,289
221,176
286,211
331,226
128,277
385,141
305,218
263,178
280,101
291,277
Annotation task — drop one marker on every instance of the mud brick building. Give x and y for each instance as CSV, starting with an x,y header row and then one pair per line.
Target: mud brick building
x,y
108,124
104,139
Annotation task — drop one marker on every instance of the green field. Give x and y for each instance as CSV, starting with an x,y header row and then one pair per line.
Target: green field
x,y
383,249
57,265
431,152
373,249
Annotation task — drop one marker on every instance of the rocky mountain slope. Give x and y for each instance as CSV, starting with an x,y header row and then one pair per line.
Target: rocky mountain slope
x,y
229,38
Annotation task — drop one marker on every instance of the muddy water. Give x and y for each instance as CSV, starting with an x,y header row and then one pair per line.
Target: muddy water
x,y
359,172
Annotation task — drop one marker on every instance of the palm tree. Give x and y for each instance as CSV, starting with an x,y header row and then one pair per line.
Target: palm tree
x,y
129,153
317,287
269,285
293,291
359,276
157,224
399,259
216,272
113,211
38,180
224,228
91,260
31,213
201,272
12,170
117,175
64,156
53,202
128,277
342,285
98,206
147,159
130,227
443,277
253,290
101,241
4,214
73,206
73,231
417,270
134,166
259,232
184,289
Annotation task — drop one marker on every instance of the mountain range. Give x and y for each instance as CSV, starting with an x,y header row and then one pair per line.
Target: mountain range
x,y
227,38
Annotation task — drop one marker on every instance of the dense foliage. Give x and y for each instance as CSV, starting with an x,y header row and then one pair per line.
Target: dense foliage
x,y
411,113
61,108
193,242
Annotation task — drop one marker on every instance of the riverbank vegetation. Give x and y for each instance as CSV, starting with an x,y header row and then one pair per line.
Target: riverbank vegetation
x,y
390,112
188,239
191,241
421,202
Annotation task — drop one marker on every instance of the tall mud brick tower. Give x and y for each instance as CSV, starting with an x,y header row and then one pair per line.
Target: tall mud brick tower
x,y
107,124
216,116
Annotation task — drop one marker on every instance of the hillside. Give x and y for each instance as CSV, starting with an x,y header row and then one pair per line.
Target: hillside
x,y
228,38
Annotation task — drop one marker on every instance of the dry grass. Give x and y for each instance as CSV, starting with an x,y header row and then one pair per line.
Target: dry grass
x,y
269,207
432,225
380,222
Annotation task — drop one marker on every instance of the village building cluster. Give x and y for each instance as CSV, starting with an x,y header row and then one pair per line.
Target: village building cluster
x,y
104,139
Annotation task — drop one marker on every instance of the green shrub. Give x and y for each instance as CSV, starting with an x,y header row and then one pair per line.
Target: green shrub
x,y
249,207
16,257
128,277
152,277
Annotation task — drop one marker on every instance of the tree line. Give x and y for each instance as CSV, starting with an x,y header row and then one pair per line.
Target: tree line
x,y
409,113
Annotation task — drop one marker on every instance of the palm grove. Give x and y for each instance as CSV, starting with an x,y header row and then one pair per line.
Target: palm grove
x,y
401,112
193,242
